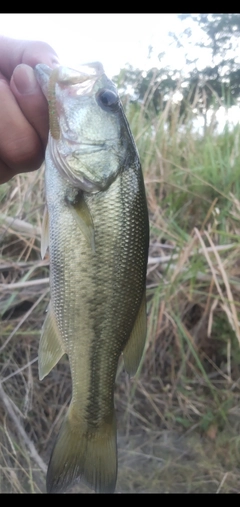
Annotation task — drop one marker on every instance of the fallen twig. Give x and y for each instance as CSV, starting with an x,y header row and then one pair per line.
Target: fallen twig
x,y
19,225
21,285
166,258
25,316
9,408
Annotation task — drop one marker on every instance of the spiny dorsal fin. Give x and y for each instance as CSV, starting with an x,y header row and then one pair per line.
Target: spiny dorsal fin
x,y
51,347
45,233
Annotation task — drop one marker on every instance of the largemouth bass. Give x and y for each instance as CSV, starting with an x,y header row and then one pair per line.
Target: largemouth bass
x,y
96,225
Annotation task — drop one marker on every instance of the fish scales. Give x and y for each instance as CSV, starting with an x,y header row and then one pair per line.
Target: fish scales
x,y
97,282
117,267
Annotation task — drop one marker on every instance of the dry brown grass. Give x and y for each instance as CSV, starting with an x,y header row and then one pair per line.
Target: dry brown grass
x,y
178,420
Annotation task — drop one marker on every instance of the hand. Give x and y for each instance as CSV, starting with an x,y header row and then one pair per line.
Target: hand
x,y
23,107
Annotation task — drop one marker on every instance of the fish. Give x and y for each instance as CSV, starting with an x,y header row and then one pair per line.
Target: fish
x,y
96,227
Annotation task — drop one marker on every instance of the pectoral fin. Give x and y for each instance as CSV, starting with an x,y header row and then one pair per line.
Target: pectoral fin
x,y
51,347
82,216
45,233
133,351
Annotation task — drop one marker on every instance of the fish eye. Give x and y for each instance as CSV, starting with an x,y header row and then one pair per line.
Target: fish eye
x,y
107,98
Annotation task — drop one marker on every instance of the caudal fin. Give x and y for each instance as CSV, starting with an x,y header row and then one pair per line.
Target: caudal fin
x,y
82,453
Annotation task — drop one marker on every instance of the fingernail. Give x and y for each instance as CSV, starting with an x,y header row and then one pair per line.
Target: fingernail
x,y
55,63
24,79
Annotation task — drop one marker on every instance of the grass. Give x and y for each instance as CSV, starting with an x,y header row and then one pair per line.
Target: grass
x,y
178,419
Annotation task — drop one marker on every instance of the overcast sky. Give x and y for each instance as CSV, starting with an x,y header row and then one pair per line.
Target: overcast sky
x,y
113,39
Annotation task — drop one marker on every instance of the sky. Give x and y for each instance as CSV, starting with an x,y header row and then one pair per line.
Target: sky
x,y
112,39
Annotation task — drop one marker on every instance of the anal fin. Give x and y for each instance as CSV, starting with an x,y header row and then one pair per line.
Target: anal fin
x,y
134,348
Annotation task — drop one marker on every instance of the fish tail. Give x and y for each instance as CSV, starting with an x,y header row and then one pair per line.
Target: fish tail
x,y
79,452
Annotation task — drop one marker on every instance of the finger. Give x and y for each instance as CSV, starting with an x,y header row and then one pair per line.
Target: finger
x,y
20,146
13,52
5,173
31,100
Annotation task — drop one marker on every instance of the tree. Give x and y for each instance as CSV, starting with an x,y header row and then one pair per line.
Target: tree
x,y
151,89
222,39
201,88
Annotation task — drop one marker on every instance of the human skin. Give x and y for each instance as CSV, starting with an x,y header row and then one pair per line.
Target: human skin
x,y
23,107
